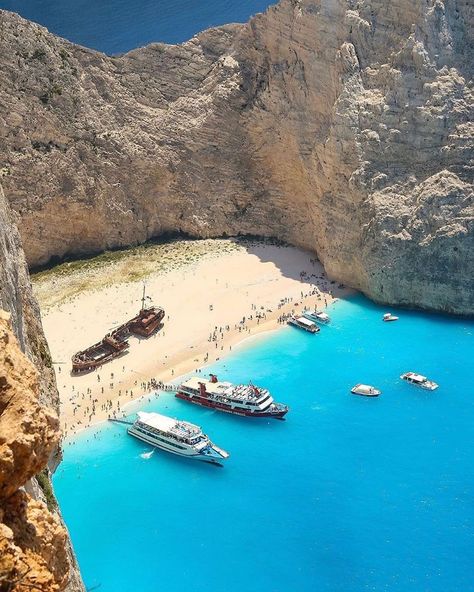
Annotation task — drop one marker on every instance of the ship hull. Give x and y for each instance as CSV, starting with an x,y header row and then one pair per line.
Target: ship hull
x,y
200,457
234,411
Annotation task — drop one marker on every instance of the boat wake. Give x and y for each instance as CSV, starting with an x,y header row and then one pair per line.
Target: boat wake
x,y
147,455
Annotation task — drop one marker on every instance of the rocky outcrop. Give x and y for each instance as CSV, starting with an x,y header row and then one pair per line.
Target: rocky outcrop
x,y
33,547
33,543
17,298
340,126
35,551
29,432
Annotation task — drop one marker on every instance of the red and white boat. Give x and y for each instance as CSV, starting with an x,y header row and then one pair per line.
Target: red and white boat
x,y
240,399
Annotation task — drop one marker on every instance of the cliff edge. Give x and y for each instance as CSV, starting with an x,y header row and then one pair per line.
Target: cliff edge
x,y
33,542
341,126
35,551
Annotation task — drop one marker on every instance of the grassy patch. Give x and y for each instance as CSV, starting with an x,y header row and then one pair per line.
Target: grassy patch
x,y
46,487
67,280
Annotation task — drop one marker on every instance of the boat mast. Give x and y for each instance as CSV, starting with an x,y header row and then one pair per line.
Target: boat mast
x,y
143,297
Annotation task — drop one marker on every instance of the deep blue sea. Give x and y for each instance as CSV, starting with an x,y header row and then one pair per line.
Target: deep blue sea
x,y
116,26
348,494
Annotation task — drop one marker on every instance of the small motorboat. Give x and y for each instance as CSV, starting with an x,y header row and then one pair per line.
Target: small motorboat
x,y
388,316
365,390
318,316
303,323
419,380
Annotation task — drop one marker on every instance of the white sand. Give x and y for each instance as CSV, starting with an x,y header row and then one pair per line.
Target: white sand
x,y
212,292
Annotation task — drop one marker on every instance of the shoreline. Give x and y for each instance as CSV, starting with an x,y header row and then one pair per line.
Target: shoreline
x,y
246,341
214,302
184,368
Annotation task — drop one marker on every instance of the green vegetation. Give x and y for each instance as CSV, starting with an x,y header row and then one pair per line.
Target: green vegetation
x,y
44,354
45,484
38,54
63,282
54,89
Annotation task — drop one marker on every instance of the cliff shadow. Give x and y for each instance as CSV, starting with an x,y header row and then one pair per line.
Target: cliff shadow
x,y
294,263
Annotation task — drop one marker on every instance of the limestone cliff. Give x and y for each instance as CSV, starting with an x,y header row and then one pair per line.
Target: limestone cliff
x,y
342,126
33,542
35,552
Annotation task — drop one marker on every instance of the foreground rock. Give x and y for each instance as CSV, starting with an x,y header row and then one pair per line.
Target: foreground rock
x,y
35,552
32,541
341,127
29,433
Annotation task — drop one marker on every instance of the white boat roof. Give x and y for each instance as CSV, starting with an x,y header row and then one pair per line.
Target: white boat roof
x,y
211,387
168,424
305,321
415,376
226,389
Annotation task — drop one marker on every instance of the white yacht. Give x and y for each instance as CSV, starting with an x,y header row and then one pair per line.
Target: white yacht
x,y
179,437
365,390
419,380
388,316
317,316
304,323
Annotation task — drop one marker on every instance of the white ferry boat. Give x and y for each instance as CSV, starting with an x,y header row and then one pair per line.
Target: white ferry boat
x,y
317,316
388,316
175,436
365,390
304,323
419,380
240,399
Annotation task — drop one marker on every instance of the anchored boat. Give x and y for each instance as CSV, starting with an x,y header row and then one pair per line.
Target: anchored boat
x,y
304,323
175,436
240,399
365,390
388,316
419,380
317,316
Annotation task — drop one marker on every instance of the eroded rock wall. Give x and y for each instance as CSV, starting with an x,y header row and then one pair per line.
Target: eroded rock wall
x,y
341,126
35,551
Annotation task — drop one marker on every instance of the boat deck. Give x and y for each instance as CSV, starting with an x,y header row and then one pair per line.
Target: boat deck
x,y
241,392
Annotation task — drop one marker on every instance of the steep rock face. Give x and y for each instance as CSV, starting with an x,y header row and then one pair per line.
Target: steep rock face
x,y
341,126
29,432
17,298
33,543
34,546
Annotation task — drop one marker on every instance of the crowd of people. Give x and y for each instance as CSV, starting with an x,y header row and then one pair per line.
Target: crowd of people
x,y
91,406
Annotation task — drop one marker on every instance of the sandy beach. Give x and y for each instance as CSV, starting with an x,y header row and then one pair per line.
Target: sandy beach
x,y
216,293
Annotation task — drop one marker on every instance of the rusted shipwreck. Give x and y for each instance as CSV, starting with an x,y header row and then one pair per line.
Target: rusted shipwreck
x,y
116,343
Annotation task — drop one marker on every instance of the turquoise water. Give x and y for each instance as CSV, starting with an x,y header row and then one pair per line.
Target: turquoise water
x,y
116,26
348,494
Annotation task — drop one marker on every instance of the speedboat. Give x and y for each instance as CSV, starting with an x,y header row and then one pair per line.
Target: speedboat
x,y
175,436
365,390
388,316
317,316
419,380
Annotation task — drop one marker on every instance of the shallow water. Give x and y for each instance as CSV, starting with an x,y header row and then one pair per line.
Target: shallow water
x,y
116,26
347,494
